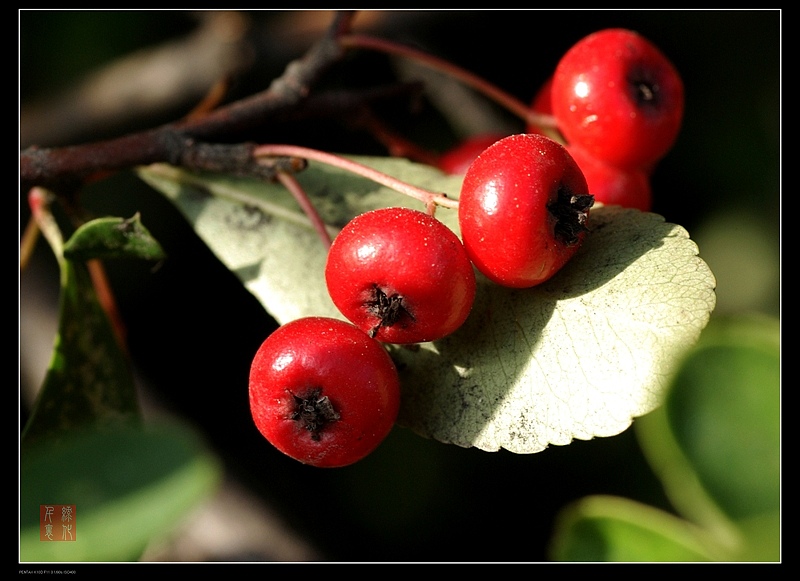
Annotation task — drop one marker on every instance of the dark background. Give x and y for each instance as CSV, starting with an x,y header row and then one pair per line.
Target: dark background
x,y
192,329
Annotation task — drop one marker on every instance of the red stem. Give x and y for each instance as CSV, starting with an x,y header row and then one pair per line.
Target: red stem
x,y
430,199
511,103
291,184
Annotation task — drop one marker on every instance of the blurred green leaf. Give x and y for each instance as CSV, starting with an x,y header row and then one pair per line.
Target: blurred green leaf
x,y
724,410
605,528
113,237
577,357
743,250
716,441
762,537
128,483
89,379
84,443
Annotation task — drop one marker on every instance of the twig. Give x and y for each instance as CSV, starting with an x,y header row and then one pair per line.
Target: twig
x,y
57,168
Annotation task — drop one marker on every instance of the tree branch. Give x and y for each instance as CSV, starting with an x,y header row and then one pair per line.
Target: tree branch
x,y
180,142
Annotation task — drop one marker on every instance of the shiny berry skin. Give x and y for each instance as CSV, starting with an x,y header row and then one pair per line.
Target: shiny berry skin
x,y
617,96
323,392
456,160
401,276
629,188
523,210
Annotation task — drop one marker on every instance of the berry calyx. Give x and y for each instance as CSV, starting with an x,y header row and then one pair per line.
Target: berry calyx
x,y
629,188
401,276
523,210
323,392
314,412
617,96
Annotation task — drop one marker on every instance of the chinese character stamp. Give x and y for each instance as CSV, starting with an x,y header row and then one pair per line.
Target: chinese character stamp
x,y
57,522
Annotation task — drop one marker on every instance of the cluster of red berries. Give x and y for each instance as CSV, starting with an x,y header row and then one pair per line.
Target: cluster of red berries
x,y
325,391
618,104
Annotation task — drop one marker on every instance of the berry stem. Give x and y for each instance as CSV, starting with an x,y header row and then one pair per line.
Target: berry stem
x,y
430,199
499,96
28,241
291,184
39,200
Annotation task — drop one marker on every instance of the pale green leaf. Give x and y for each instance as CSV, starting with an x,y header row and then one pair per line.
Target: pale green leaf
x,y
577,357
258,231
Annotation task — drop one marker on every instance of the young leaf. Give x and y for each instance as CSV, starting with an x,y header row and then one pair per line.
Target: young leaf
x,y
113,238
577,357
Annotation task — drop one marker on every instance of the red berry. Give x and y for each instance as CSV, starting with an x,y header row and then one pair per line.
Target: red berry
x,y
618,97
542,103
611,185
323,392
401,276
456,160
523,210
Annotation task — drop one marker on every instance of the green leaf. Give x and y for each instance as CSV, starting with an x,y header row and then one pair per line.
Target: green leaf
x,y
716,441
724,410
89,379
127,483
761,537
577,357
113,238
606,528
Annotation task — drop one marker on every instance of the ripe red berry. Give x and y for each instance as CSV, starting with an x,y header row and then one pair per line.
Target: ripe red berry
x,y
323,392
542,103
618,97
456,160
611,185
523,210
401,276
